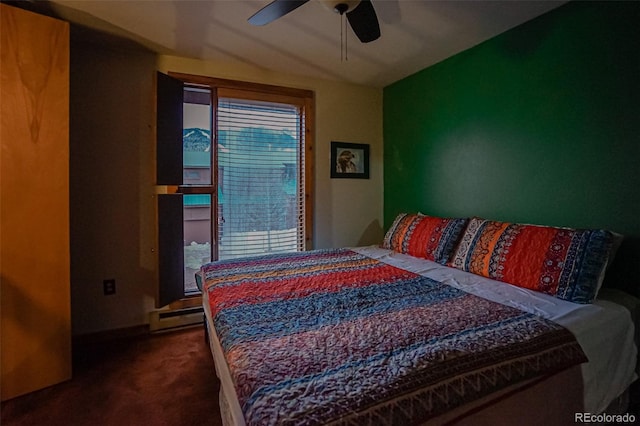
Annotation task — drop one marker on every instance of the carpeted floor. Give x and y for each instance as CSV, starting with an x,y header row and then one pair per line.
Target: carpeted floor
x,y
162,379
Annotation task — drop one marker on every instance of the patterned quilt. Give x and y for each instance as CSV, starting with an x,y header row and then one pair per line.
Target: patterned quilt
x,y
335,337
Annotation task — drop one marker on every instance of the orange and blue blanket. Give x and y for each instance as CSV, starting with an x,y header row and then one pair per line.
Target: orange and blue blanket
x,y
333,336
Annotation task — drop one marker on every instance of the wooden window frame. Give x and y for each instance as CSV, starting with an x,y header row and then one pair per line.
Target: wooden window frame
x,y
305,99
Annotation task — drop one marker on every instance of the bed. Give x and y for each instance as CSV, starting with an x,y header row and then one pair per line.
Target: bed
x,y
400,334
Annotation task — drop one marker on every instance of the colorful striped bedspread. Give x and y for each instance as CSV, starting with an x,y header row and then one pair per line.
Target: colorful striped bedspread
x,y
335,337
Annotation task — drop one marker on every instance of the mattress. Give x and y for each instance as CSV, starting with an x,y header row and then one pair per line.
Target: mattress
x,y
604,330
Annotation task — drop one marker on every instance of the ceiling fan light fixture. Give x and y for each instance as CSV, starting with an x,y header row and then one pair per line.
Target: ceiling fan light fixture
x,y
340,6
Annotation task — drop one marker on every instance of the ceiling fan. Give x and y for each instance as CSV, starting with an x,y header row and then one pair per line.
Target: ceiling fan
x,y
360,14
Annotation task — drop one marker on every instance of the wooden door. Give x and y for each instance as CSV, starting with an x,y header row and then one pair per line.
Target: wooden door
x,y
34,202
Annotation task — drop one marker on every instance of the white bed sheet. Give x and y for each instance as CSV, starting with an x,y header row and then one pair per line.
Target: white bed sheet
x,y
603,329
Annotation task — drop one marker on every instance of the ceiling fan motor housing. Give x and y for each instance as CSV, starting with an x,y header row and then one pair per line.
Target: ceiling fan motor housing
x,y
340,6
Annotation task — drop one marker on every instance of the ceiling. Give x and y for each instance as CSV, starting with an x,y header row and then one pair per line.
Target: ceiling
x,y
307,41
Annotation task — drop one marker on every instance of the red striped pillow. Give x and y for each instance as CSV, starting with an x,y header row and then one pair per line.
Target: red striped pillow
x,y
428,237
566,263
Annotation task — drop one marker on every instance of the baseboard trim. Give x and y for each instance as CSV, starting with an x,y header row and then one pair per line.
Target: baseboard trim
x,y
167,319
159,320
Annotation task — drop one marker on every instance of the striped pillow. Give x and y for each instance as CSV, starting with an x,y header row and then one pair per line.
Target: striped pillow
x,y
566,263
428,237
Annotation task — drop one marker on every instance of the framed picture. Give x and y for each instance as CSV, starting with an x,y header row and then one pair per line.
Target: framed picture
x,y
349,160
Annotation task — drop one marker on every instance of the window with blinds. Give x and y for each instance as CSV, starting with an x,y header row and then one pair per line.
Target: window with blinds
x,y
260,172
235,174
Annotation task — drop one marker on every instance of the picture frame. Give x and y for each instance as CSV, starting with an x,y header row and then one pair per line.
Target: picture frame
x,y
349,160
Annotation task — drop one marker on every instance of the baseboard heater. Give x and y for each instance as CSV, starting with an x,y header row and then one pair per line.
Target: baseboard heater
x,y
161,320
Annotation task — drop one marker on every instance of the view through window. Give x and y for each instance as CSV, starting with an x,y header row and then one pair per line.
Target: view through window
x,y
197,161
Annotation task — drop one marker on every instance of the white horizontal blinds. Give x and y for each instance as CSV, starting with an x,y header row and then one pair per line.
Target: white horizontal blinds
x,y
259,177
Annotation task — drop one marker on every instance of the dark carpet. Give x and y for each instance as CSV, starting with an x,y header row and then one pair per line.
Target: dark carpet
x,y
155,380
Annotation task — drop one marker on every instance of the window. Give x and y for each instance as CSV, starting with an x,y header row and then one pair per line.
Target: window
x,y
246,169
260,178
198,182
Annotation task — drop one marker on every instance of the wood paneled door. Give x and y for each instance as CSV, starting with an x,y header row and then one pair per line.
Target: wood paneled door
x,y
34,202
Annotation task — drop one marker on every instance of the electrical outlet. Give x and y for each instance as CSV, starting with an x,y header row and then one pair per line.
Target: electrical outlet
x,y
109,287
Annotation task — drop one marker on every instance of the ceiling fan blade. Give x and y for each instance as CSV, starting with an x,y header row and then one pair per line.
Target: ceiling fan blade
x,y
275,10
364,21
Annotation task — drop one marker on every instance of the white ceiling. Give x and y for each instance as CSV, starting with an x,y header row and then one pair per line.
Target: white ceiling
x,y
415,34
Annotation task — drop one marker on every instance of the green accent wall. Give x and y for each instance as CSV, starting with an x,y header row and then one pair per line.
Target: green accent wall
x,y
540,124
